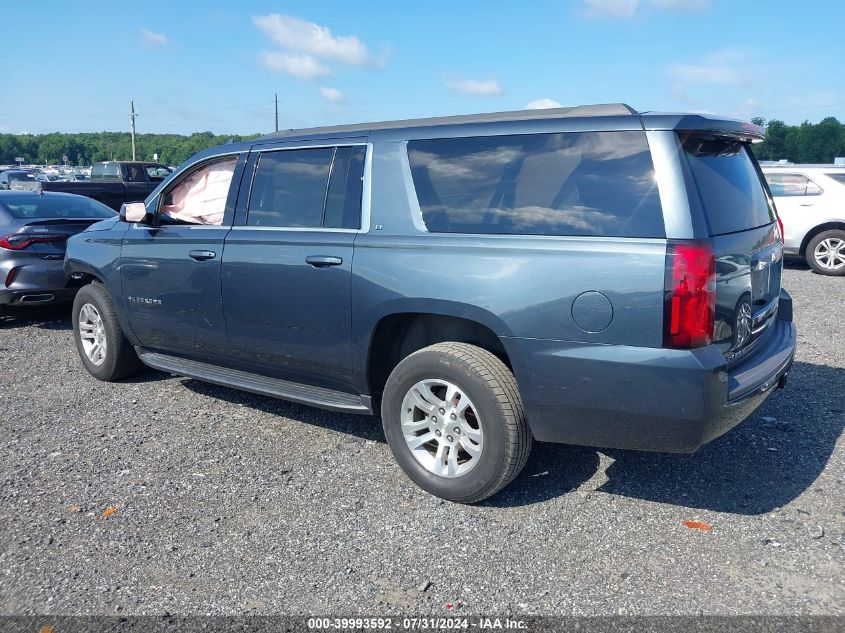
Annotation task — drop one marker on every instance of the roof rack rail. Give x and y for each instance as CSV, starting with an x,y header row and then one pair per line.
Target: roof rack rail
x,y
597,110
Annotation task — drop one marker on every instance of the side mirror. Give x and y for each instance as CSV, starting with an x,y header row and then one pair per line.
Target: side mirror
x,y
134,212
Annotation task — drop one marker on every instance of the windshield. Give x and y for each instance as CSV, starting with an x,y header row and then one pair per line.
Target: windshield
x,y
37,206
21,176
729,183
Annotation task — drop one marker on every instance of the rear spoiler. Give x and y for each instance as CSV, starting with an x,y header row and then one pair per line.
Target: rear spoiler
x,y
701,124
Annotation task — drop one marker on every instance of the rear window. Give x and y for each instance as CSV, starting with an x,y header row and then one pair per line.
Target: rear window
x,y
35,206
729,185
583,183
106,171
21,176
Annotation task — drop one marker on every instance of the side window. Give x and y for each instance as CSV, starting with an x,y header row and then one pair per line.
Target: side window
x,y
308,188
588,183
157,173
134,173
784,185
343,201
200,196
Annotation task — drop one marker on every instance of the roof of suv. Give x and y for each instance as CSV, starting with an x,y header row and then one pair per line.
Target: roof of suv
x,y
648,120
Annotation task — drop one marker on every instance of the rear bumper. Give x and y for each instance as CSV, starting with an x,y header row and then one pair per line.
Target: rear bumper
x,y
645,398
35,282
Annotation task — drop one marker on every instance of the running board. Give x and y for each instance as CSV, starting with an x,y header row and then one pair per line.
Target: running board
x,y
255,383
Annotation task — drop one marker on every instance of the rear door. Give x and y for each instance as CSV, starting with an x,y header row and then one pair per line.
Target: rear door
x,y
743,230
287,262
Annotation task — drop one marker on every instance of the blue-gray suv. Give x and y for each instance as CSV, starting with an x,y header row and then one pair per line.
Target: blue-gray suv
x,y
588,275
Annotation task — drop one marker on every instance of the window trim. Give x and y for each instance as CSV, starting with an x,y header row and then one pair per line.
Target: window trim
x,y
795,173
366,189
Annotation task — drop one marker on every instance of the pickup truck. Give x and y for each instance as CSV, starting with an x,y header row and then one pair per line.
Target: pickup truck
x,y
116,182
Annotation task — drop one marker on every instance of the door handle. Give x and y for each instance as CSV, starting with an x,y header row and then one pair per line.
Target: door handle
x,y
323,261
808,204
201,256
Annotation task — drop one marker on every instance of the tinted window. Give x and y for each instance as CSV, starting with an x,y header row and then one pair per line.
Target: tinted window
x,y
590,183
34,206
782,185
289,188
106,171
343,202
21,176
838,177
729,184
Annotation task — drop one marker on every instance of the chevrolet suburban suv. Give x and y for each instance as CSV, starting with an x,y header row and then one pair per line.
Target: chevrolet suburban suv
x,y
587,275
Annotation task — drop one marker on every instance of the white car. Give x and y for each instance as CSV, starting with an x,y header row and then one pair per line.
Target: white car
x,y
811,204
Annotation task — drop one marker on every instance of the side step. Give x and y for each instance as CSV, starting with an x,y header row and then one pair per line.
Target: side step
x,y
263,385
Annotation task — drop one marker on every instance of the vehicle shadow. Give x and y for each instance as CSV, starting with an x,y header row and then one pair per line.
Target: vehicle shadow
x,y
796,263
760,465
365,427
54,317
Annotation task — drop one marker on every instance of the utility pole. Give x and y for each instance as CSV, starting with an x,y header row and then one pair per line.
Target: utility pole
x,y
132,116
277,111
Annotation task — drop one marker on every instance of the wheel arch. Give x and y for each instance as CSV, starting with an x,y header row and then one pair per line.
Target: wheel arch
x,y
821,228
402,330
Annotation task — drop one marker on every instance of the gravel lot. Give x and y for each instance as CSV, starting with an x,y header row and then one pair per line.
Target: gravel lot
x,y
229,503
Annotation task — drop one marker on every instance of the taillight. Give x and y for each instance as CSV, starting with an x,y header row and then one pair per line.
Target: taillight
x,y
10,277
780,228
19,241
690,304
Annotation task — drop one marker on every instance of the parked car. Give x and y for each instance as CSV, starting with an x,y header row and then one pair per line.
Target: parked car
x,y
18,179
116,182
33,230
588,275
811,205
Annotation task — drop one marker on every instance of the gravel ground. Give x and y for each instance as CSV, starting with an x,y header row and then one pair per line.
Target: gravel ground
x,y
229,503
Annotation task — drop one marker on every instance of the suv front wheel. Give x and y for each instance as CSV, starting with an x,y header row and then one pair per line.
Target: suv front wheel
x,y
453,418
826,252
103,348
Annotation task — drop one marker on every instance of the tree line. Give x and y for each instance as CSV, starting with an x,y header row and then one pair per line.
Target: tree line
x,y
88,148
805,143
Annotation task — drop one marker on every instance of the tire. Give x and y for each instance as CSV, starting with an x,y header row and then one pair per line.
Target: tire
x,y
484,447
118,359
832,241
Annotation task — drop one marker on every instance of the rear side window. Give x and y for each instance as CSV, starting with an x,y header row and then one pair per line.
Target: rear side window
x,y
783,185
838,177
583,183
308,188
106,171
728,183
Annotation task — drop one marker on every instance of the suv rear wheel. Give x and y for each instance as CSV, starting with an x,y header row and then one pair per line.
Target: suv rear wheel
x,y
826,253
103,348
453,418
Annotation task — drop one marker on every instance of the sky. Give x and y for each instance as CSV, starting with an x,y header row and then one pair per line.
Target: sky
x,y
194,66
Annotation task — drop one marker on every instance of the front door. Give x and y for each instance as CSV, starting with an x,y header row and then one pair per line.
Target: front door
x,y
171,271
287,267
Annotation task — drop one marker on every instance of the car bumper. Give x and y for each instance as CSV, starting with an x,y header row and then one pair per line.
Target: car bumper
x,y
35,282
650,399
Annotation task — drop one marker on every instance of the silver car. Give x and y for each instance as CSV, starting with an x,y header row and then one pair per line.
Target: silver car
x,y
811,204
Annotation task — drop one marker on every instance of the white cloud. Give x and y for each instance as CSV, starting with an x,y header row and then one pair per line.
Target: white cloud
x,y
687,6
627,9
152,38
540,104
620,9
727,69
332,94
475,87
312,39
298,65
